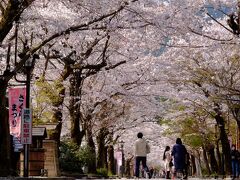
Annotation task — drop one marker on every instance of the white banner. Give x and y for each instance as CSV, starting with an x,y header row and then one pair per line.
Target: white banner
x,y
26,127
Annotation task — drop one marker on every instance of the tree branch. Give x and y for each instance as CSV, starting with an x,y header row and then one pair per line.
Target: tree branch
x,y
115,65
219,23
81,26
11,13
66,31
209,37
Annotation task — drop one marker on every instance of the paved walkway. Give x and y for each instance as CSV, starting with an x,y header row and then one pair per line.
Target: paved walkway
x,y
71,178
191,178
175,179
66,178
165,179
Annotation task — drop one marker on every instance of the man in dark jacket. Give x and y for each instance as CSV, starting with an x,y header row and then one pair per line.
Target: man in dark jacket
x,y
179,154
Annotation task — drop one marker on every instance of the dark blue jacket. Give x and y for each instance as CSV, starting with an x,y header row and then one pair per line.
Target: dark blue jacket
x,y
179,154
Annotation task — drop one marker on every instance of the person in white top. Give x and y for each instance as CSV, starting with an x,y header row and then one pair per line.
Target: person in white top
x,y
167,160
141,150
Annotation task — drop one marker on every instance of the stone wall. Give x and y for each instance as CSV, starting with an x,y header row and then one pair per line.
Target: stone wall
x,y
51,163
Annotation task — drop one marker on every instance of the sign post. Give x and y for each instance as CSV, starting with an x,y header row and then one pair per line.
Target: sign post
x,y
26,126
26,136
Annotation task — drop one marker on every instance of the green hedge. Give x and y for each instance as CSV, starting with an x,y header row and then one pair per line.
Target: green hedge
x,y
73,158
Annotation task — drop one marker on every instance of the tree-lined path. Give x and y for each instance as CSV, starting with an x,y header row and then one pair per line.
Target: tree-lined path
x,y
105,70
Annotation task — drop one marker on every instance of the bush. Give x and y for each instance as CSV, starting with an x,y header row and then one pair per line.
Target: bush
x,y
68,159
86,156
73,158
102,172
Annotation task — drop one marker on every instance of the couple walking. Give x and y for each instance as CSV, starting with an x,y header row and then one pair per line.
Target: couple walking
x,y
179,155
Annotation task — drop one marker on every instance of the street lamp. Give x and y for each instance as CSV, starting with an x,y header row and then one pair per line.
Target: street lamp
x,y
29,65
122,150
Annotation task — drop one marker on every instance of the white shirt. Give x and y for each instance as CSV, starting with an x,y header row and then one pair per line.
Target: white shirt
x,y
141,147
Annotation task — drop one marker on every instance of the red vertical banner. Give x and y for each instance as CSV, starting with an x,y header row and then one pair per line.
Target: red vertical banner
x,y
17,101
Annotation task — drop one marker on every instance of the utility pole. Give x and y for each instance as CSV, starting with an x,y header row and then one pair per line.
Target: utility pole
x,y
28,67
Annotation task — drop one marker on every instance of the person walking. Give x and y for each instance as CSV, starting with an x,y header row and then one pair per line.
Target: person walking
x,y
234,161
179,153
167,158
142,148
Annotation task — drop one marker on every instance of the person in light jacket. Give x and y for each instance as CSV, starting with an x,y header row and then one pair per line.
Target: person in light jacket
x,y
141,150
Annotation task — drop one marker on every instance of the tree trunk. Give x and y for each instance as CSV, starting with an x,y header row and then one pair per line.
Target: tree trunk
x,y
5,157
92,165
57,112
213,161
218,157
74,107
199,154
58,101
193,163
238,135
111,159
106,157
101,155
206,161
9,15
225,143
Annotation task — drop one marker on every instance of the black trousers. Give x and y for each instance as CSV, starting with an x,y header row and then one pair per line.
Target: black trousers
x,y
138,160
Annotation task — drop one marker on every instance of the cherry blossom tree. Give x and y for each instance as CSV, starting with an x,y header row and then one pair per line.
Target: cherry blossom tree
x,y
13,12
155,38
